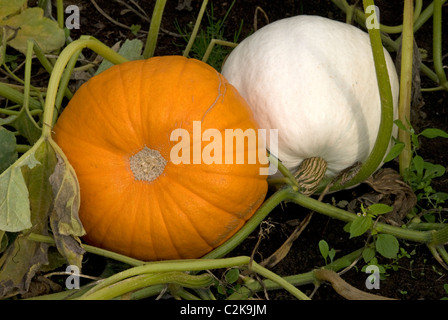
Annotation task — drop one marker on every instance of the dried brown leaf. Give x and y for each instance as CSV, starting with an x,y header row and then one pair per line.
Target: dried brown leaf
x,y
64,218
389,189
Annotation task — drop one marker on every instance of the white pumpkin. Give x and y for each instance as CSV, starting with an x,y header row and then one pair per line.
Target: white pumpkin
x,y
314,80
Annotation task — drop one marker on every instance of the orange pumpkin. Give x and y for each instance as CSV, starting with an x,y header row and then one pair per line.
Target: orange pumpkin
x,y
135,200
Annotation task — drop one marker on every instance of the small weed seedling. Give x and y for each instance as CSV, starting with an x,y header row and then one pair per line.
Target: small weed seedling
x,y
326,252
385,244
421,173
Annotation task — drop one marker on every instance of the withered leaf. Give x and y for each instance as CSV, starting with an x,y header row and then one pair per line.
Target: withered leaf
x,y
64,218
23,258
18,265
389,189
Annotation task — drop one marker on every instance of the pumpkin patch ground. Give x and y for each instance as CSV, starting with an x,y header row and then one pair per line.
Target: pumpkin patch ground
x,y
412,274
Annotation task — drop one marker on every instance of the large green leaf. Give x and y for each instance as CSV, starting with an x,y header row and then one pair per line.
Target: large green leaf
x,y
15,213
24,257
10,7
18,265
8,153
26,126
387,245
31,24
131,49
360,225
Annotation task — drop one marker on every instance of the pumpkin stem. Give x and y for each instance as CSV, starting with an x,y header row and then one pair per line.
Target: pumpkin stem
x,y
310,173
147,164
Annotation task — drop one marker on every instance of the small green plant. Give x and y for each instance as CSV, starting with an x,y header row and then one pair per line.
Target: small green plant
x,y
421,173
230,283
326,252
385,244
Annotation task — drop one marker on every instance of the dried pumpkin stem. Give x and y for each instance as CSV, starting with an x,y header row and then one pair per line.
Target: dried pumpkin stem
x,y
147,164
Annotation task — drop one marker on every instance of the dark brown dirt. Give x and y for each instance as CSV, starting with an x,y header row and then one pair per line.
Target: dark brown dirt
x,y
416,277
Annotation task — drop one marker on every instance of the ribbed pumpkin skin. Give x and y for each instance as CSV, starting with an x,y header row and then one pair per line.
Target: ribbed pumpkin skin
x,y
190,208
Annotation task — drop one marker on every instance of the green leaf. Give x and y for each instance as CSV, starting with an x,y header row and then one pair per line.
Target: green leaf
x,y
26,127
8,153
368,254
379,208
3,241
15,214
131,49
434,133
387,245
37,181
418,163
324,248
439,197
7,120
331,254
360,225
394,152
24,258
33,25
10,7
232,275
400,125
433,170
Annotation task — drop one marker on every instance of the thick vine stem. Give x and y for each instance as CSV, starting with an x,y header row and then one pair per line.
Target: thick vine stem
x,y
151,40
152,268
334,212
376,156
440,237
59,67
92,249
359,15
195,28
404,105
437,44
250,226
252,286
146,280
